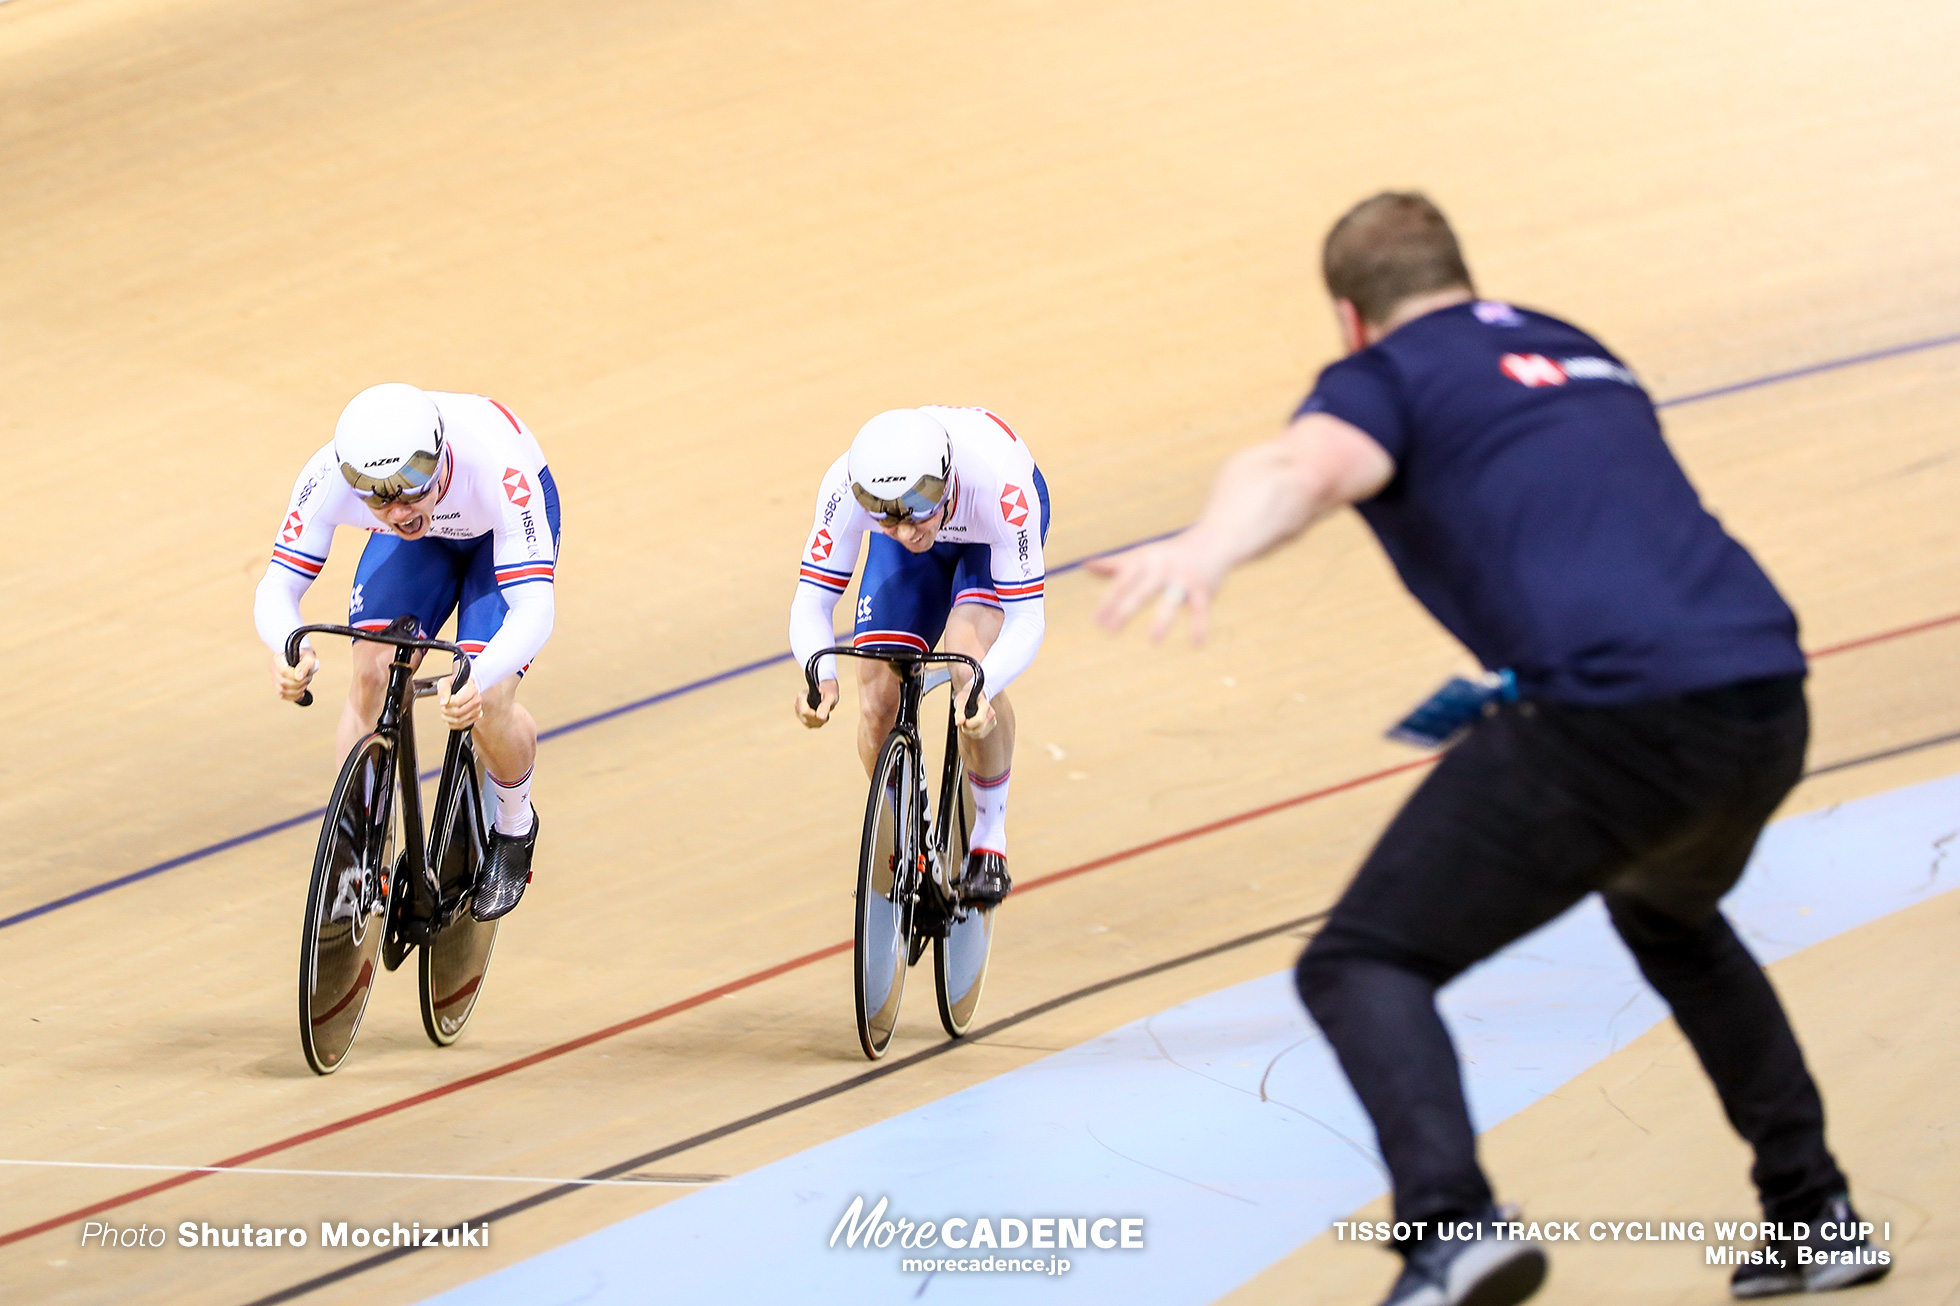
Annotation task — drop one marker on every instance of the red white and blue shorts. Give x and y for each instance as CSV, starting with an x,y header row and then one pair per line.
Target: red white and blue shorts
x,y
431,578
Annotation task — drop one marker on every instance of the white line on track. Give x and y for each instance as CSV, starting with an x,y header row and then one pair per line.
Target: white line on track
x,y
680,1181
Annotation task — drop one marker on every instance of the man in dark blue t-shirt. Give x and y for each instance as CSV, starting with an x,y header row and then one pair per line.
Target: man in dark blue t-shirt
x,y
1515,473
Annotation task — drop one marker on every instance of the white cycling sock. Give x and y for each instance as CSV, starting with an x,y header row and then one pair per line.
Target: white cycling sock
x,y
990,813
513,815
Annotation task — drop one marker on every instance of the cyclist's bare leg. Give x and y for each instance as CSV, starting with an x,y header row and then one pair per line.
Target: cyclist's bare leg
x,y
365,692
878,694
506,736
972,630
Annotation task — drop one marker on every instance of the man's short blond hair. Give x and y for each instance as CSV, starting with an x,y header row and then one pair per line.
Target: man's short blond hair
x,y
1388,248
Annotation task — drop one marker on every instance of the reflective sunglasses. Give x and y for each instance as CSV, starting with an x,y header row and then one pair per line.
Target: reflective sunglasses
x,y
916,504
410,483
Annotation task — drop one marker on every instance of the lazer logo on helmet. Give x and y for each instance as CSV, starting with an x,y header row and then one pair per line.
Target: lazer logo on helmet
x,y
382,462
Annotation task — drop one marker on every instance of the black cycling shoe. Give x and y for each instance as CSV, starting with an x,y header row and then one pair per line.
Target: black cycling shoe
x,y
986,880
1814,1263
506,871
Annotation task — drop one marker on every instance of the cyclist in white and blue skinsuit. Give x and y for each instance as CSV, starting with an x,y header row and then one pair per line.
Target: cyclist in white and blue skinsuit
x,y
464,518
960,512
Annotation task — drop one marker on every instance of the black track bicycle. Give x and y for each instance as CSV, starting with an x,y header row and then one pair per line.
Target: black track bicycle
x,y
366,901
911,859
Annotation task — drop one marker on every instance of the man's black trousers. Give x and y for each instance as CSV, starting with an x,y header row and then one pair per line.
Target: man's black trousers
x,y
1655,806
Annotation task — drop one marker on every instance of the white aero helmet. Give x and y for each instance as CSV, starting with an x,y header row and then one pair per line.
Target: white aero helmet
x,y
900,464
389,442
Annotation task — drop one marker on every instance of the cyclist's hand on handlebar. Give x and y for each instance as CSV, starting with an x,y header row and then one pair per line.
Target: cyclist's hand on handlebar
x,y
814,717
462,709
291,682
981,723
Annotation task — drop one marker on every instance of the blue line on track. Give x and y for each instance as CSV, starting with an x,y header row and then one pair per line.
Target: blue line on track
x,y
1797,373
225,845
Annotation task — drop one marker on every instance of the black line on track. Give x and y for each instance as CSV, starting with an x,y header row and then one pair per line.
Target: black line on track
x,y
883,1069
1931,741
767,1114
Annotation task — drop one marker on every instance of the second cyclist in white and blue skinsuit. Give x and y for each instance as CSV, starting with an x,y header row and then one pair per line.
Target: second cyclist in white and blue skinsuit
x,y
959,512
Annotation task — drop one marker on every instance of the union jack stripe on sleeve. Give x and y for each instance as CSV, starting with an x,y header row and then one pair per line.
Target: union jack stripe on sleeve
x,y
1010,590
835,582
293,560
519,573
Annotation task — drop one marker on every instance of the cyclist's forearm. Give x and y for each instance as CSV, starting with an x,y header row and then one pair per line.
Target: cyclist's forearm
x,y
811,616
1025,622
275,608
533,609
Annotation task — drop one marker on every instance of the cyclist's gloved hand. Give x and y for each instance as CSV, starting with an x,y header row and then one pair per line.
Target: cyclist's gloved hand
x,y
814,717
981,723
291,682
462,709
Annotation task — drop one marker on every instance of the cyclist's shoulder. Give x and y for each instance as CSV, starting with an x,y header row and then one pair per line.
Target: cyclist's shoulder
x,y
319,481
838,473
986,450
976,425
485,431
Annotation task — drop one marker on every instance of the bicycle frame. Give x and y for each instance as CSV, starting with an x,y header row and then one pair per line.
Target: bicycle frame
x,y
911,668
396,724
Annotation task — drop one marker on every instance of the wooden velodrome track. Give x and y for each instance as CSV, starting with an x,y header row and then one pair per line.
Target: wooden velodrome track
x,y
694,246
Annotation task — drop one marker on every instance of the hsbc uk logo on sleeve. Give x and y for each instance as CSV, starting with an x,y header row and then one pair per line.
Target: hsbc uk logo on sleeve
x,y
1014,505
516,488
1535,370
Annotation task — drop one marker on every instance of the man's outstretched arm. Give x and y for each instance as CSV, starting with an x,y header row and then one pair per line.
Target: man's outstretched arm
x,y
1265,494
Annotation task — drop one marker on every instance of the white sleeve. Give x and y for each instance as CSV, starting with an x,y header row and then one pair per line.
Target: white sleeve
x,y
812,614
275,608
527,625
830,554
1019,574
1013,652
298,553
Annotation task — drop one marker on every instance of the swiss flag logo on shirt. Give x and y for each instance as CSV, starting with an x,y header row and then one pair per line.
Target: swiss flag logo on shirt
x,y
516,488
292,530
1014,505
1532,369
820,547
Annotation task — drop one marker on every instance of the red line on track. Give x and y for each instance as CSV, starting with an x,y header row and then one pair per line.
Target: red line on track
x,y
1916,628
430,1095
783,968
662,1013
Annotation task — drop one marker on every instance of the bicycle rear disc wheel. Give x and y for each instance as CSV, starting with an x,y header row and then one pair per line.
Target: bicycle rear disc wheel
x,y
885,883
347,904
454,962
959,956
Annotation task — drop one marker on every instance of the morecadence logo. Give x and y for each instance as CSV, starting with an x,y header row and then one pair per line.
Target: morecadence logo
x,y
983,1237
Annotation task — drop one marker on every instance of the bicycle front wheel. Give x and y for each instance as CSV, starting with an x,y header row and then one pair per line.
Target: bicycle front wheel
x,y
886,886
456,959
347,904
959,956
